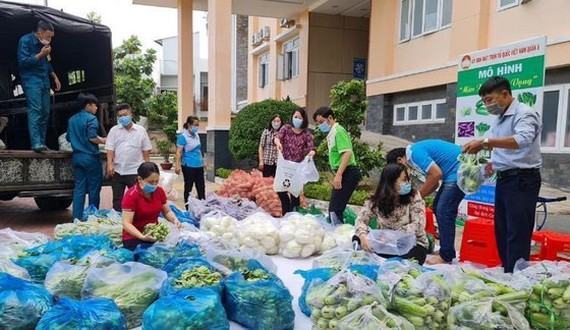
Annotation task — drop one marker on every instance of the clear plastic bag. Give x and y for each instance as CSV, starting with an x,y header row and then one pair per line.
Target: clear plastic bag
x,y
94,313
344,293
342,257
258,304
259,232
300,236
391,242
166,181
217,252
337,236
133,286
22,303
486,314
471,174
373,317
312,278
158,254
14,242
8,267
197,309
549,303
64,145
176,268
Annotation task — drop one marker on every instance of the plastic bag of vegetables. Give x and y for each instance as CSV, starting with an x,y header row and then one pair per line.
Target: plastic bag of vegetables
x,y
14,242
342,257
391,242
471,173
342,294
7,266
486,314
133,286
422,298
373,317
220,253
220,225
119,255
22,303
549,303
159,254
300,236
38,260
189,273
258,300
196,309
339,236
259,232
111,227
94,313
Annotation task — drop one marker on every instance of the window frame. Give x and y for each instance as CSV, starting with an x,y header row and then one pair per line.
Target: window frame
x,y
512,5
263,74
411,18
409,32
561,119
419,120
441,26
291,52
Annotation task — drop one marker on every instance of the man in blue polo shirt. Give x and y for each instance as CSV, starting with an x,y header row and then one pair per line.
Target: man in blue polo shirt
x,y
35,71
82,134
437,161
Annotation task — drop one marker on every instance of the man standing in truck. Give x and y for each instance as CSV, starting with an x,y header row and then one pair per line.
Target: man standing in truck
x,y
35,71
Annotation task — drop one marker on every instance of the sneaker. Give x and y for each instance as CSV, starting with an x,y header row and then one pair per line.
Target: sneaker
x,y
40,149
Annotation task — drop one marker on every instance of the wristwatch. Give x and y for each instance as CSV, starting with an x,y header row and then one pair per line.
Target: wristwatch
x,y
486,143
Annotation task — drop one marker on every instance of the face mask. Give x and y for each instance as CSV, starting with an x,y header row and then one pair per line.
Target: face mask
x,y
325,127
125,120
149,188
194,129
276,126
297,123
44,42
494,109
405,188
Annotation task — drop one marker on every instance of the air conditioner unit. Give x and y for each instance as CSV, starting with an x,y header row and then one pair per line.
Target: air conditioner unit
x,y
286,23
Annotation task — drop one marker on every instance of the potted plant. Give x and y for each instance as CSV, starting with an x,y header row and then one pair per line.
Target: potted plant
x,y
164,147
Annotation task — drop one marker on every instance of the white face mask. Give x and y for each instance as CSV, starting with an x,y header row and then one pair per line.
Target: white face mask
x,y
276,125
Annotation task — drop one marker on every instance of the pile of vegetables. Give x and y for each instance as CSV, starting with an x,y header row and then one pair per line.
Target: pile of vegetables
x,y
239,183
188,272
471,173
15,242
158,254
260,301
22,303
198,277
300,236
342,294
259,232
196,309
225,255
339,236
217,224
486,314
265,196
236,207
373,317
133,286
110,227
94,313
158,231
66,278
422,298
549,303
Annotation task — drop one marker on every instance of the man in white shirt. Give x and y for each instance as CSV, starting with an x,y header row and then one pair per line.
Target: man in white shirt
x,y
128,146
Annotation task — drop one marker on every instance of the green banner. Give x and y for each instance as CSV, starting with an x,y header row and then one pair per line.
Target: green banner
x,y
523,74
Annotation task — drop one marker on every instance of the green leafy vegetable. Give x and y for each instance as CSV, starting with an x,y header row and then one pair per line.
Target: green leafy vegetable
x,y
158,231
527,98
198,277
481,109
482,128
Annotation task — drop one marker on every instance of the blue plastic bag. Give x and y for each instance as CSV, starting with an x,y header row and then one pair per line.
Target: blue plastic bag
x,y
176,267
94,313
184,216
157,255
38,260
22,303
196,309
312,277
121,255
258,305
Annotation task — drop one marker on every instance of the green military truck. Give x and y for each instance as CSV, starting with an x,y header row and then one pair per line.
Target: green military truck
x,y
82,58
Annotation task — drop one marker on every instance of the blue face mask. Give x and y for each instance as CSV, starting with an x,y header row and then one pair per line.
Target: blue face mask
x,y
125,121
297,123
149,188
405,188
325,127
194,129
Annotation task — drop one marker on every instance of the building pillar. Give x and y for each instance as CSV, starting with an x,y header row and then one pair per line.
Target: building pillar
x,y
185,61
219,85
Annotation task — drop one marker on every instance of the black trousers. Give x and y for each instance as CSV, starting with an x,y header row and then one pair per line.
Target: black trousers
x,y
193,176
418,252
269,170
119,183
340,198
515,209
288,202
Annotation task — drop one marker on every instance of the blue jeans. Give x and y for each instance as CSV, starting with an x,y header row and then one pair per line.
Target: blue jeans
x,y
38,101
88,175
515,210
446,204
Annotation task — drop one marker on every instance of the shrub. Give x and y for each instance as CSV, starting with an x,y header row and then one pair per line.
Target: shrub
x,y
250,122
223,173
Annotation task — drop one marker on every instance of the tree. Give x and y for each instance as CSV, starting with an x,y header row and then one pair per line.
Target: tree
x,y
94,17
163,112
133,69
348,102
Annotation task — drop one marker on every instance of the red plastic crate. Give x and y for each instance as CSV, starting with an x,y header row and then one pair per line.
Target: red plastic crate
x,y
430,223
478,244
553,246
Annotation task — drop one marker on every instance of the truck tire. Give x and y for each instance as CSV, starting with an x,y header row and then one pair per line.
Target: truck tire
x,y
53,203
